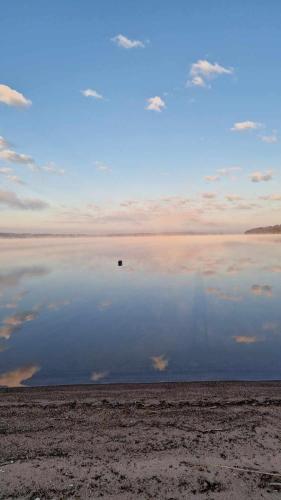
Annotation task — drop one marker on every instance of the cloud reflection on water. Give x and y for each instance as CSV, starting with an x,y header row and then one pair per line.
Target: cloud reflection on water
x,y
160,363
246,339
15,378
265,290
194,300
12,323
97,376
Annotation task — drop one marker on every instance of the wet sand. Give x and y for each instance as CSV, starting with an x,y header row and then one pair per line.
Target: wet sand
x,y
159,441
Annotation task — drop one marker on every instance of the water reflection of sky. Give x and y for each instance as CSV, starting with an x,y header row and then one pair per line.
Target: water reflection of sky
x,y
180,308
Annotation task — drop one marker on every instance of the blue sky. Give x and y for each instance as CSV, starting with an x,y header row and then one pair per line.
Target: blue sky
x,y
107,163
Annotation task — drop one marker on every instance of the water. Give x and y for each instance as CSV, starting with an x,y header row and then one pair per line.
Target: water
x,y
180,308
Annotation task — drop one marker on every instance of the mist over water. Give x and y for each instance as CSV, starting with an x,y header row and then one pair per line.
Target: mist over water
x,y
180,308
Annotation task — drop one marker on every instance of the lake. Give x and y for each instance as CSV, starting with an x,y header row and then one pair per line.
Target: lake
x,y
180,308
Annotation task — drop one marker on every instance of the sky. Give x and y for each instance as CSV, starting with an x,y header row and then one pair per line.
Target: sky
x,y
132,117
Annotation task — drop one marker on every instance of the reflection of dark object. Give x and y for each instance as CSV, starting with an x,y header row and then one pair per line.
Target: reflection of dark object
x,y
199,319
120,262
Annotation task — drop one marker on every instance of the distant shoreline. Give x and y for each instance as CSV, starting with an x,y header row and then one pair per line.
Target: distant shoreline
x,y
265,230
114,235
256,231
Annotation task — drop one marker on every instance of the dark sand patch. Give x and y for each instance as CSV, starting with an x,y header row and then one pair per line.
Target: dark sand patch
x,y
157,441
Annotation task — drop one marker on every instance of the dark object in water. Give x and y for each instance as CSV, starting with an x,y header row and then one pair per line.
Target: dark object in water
x,y
120,262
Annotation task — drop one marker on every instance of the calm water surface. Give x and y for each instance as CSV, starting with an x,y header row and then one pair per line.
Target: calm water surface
x,y
180,308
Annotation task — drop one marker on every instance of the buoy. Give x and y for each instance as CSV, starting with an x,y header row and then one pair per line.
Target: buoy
x,y
120,263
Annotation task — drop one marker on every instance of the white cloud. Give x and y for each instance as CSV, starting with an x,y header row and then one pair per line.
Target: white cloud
x,y
155,104
126,43
15,179
102,167
246,206
143,215
11,200
270,139
245,126
8,173
12,97
261,176
91,93
209,196
203,70
225,172
51,168
206,68
13,157
212,178
198,81
271,197
3,143
233,197
5,170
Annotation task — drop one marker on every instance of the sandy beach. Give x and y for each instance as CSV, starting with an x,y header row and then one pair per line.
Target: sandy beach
x,y
161,441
